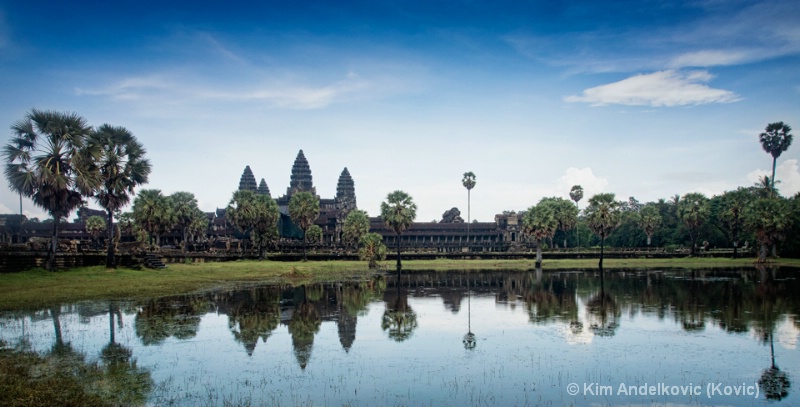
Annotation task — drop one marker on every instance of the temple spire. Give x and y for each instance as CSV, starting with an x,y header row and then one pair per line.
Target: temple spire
x,y
346,191
263,189
301,176
248,181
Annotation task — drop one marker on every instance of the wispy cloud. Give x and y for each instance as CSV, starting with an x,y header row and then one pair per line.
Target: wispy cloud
x,y
287,93
663,88
729,34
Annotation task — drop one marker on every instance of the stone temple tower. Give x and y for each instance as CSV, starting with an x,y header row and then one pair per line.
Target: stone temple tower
x,y
248,181
345,192
263,189
301,176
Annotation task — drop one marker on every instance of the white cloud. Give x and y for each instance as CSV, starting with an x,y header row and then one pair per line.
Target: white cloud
x,y
663,88
787,176
584,177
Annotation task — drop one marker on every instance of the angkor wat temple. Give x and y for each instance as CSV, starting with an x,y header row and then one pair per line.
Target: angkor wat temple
x,y
450,234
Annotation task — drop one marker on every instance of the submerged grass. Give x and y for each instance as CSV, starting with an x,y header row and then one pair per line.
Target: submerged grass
x,y
38,288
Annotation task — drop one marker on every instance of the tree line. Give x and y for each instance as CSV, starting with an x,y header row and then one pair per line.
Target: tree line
x,y
58,160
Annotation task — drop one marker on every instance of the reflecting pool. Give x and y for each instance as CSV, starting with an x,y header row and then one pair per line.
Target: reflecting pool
x,y
641,337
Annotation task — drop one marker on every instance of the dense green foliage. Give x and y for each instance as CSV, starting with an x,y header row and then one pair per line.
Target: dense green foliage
x,y
398,213
372,249
356,225
304,210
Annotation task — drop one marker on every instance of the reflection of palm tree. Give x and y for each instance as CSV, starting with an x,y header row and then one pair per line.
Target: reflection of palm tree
x,y
469,339
178,317
605,309
773,382
398,318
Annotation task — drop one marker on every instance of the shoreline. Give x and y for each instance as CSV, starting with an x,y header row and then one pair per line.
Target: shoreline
x,y
37,288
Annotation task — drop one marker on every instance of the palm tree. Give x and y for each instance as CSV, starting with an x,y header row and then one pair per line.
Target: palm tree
x,y
398,213
120,158
649,220
693,209
602,216
265,228
469,182
769,219
152,213
576,194
372,249
732,213
566,214
95,225
184,206
48,162
775,139
356,225
241,211
539,223
304,211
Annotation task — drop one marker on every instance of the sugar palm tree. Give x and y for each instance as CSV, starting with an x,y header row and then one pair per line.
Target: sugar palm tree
x,y
775,139
95,225
265,228
47,161
184,207
693,209
242,212
732,206
356,225
372,249
398,213
304,211
649,220
539,223
122,166
469,182
576,194
769,219
602,216
152,213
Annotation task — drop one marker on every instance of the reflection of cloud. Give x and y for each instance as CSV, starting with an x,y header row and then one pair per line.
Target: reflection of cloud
x,y
787,175
787,334
663,88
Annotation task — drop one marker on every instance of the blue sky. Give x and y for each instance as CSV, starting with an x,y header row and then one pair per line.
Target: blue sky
x,y
642,98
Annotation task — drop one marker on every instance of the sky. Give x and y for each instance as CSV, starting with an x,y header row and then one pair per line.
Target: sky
x,y
648,99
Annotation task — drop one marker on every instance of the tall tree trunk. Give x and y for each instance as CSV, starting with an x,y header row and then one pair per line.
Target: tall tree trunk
x,y
185,241
51,257
649,239
762,253
304,245
399,265
539,253
111,323
111,262
602,248
772,181
469,204
735,248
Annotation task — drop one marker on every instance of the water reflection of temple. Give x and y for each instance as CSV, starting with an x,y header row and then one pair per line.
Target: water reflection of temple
x,y
586,304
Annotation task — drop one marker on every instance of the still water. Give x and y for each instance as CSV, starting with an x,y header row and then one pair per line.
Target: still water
x,y
646,337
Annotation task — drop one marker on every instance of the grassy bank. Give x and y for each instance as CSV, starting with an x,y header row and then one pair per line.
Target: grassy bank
x,y
39,288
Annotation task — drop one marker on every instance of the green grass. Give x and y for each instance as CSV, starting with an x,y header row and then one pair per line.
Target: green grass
x,y
37,288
